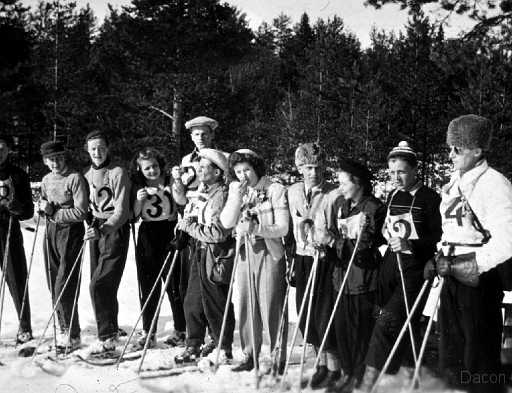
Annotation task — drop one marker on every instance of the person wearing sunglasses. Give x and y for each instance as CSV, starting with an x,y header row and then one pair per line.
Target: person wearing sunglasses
x,y
476,210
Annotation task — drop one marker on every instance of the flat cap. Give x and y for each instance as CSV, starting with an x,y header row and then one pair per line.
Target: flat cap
x,y
201,121
52,148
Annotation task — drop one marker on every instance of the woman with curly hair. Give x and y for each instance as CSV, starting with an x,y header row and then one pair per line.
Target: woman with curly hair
x,y
154,201
257,209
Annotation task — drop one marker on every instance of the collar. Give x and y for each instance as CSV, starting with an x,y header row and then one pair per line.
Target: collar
x,y
413,190
208,189
468,180
358,204
103,165
194,156
314,189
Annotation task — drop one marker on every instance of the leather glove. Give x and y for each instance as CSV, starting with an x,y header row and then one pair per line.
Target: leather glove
x,y
465,269
443,265
180,241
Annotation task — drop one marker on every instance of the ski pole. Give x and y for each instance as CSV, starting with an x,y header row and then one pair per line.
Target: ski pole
x,y
400,335
308,319
251,311
277,348
58,299
425,339
144,306
50,283
75,302
296,330
25,290
157,312
340,294
406,302
4,269
228,302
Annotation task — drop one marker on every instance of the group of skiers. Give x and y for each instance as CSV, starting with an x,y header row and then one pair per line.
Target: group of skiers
x,y
218,220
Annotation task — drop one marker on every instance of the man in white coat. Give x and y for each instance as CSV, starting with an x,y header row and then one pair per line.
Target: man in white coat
x,y
476,210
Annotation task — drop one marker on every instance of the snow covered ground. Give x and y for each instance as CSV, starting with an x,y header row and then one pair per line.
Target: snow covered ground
x,y
20,375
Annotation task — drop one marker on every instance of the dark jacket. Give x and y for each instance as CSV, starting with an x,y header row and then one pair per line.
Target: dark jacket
x,y
19,202
362,277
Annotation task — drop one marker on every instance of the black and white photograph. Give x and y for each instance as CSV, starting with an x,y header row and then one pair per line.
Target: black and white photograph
x,y
241,196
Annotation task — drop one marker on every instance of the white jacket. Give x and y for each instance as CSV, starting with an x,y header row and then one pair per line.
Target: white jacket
x,y
489,195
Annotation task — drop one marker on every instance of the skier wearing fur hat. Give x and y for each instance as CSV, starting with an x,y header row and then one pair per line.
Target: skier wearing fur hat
x,y
313,205
412,229
476,209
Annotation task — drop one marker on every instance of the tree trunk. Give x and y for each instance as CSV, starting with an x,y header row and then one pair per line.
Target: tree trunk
x,y
177,121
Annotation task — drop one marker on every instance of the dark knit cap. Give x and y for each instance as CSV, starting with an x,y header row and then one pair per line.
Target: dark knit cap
x,y
52,147
96,134
356,168
470,132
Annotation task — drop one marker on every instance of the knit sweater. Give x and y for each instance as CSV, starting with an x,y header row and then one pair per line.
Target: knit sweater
x,y
109,195
69,195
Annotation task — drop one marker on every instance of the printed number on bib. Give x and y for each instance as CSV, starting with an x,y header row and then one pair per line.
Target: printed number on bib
x,y
103,200
189,177
157,207
350,226
401,225
455,211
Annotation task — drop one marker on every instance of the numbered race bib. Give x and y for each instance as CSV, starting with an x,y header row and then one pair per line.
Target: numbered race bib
x,y
102,202
6,191
349,227
400,225
458,220
189,176
158,206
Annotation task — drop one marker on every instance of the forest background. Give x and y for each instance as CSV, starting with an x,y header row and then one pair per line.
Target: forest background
x,y
149,66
